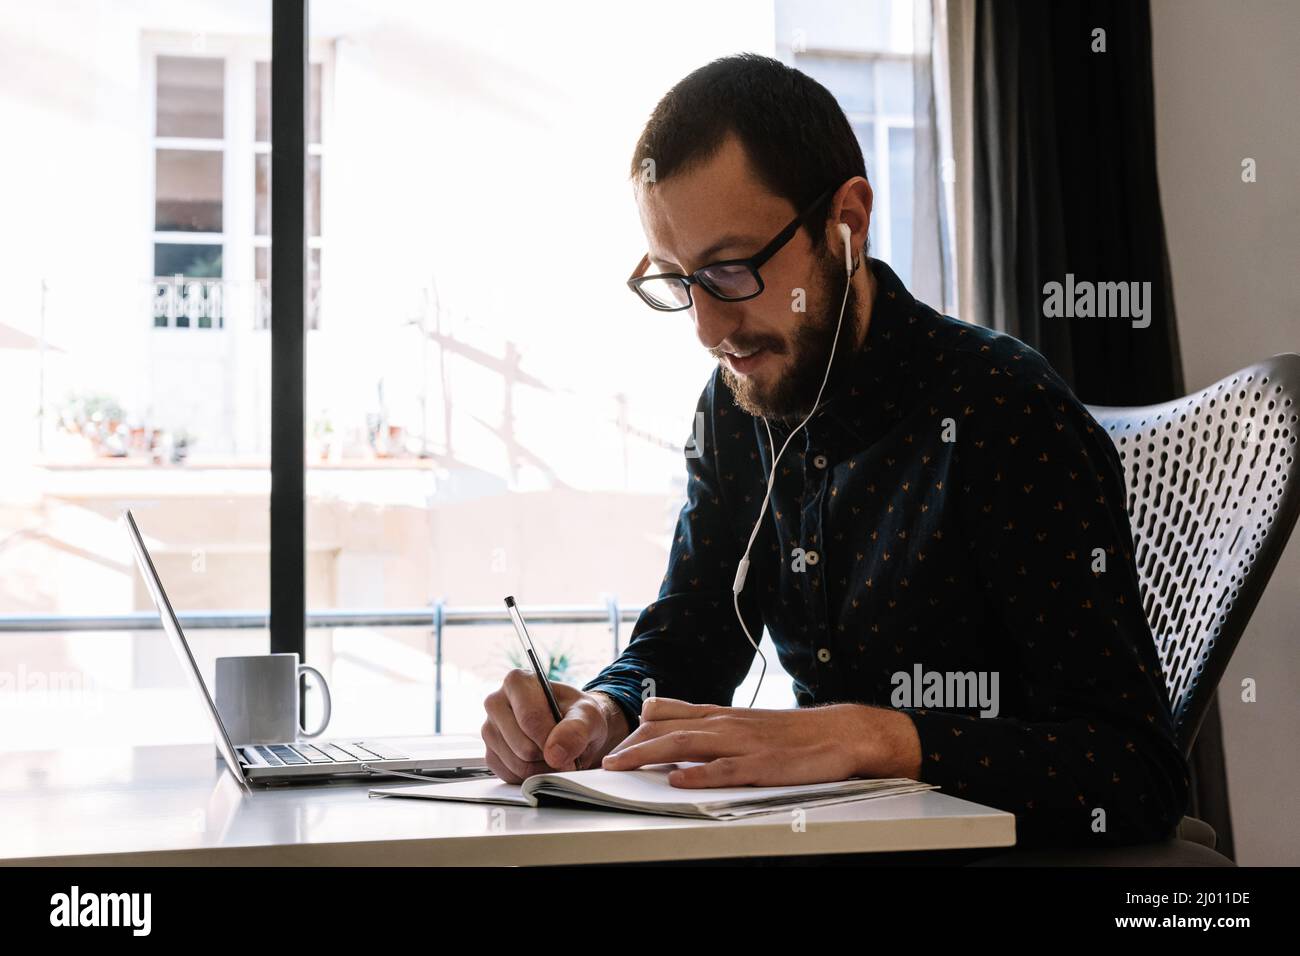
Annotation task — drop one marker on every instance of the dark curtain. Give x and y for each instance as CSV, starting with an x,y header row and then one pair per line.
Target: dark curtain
x,y
1064,182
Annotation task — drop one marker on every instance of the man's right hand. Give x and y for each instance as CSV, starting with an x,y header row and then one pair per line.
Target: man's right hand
x,y
523,739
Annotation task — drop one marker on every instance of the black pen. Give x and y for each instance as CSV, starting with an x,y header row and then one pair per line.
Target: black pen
x,y
527,644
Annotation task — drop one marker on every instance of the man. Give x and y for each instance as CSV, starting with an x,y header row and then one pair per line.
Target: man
x,y
950,509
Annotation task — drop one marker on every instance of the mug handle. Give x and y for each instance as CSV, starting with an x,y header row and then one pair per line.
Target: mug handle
x,y
325,692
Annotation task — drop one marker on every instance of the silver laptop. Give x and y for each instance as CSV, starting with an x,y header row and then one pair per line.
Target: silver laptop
x,y
302,761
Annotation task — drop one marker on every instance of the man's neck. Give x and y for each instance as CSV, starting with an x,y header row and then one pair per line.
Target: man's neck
x,y
866,300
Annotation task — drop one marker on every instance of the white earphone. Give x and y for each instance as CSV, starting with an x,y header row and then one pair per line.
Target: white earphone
x,y
846,238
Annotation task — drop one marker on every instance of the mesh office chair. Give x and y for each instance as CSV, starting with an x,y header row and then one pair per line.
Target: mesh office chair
x,y
1213,493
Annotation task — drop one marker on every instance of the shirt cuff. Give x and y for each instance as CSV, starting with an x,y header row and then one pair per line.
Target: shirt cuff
x,y
941,752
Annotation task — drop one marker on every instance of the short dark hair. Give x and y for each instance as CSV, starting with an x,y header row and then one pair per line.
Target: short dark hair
x,y
793,131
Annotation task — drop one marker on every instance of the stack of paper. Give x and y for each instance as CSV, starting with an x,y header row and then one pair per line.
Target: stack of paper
x,y
647,790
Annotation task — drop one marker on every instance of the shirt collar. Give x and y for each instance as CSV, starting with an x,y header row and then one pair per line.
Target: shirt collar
x,y
868,366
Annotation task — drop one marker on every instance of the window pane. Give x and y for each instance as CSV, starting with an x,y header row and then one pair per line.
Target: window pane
x,y
262,178
262,95
107,689
462,442
313,195
866,135
174,423
188,190
896,86
262,130
849,79
262,184
863,26
900,201
191,97
196,260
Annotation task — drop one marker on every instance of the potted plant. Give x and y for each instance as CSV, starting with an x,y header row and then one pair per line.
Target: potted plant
x,y
557,665
322,433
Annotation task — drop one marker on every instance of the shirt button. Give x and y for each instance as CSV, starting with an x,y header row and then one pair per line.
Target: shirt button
x,y
820,461
823,655
812,557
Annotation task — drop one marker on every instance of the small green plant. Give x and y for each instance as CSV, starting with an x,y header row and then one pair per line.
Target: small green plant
x,y
94,408
322,427
557,665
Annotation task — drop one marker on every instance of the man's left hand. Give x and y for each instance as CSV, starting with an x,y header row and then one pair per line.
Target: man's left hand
x,y
739,746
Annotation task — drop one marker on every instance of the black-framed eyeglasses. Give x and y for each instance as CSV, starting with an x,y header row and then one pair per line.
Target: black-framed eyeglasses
x,y
731,280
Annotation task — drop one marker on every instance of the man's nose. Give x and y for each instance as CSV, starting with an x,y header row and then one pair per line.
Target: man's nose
x,y
714,320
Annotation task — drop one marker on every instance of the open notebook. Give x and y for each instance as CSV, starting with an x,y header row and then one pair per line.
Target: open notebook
x,y
647,790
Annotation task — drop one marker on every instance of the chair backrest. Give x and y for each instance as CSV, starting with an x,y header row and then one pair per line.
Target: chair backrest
x,y
1213,494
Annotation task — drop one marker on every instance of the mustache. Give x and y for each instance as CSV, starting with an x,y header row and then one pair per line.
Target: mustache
x,y
774,345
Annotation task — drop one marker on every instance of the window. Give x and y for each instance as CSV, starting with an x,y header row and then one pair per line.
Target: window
x,y
192,149
139,389
469,431
862,53
875,92
189,192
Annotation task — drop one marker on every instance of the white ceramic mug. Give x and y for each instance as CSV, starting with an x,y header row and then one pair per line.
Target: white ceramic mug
x,y
257,698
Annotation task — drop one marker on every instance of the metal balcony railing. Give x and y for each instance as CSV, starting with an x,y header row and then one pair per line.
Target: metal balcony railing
x,y
187,302
437,617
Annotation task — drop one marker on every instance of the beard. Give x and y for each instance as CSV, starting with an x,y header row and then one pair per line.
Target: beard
x,y
791,397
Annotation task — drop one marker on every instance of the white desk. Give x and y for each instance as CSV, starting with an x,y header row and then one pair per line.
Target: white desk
x,y
178,806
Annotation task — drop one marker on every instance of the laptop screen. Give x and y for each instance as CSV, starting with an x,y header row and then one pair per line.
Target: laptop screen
x,y
177,639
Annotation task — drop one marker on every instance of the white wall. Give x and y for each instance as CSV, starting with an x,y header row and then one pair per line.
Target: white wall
x,y
1226,80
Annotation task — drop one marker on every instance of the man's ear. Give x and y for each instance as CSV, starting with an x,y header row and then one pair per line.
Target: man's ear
x,y
851,205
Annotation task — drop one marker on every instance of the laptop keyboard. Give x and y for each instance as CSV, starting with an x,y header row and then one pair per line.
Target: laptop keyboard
x,y
292,755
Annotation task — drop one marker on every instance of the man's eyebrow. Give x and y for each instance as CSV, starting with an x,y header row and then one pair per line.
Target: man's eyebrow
x,y
709,255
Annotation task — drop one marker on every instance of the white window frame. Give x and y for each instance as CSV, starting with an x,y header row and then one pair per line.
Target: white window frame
x,y
238,146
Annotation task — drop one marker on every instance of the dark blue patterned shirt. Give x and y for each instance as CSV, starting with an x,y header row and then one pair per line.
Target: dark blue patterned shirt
x,y
953,508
